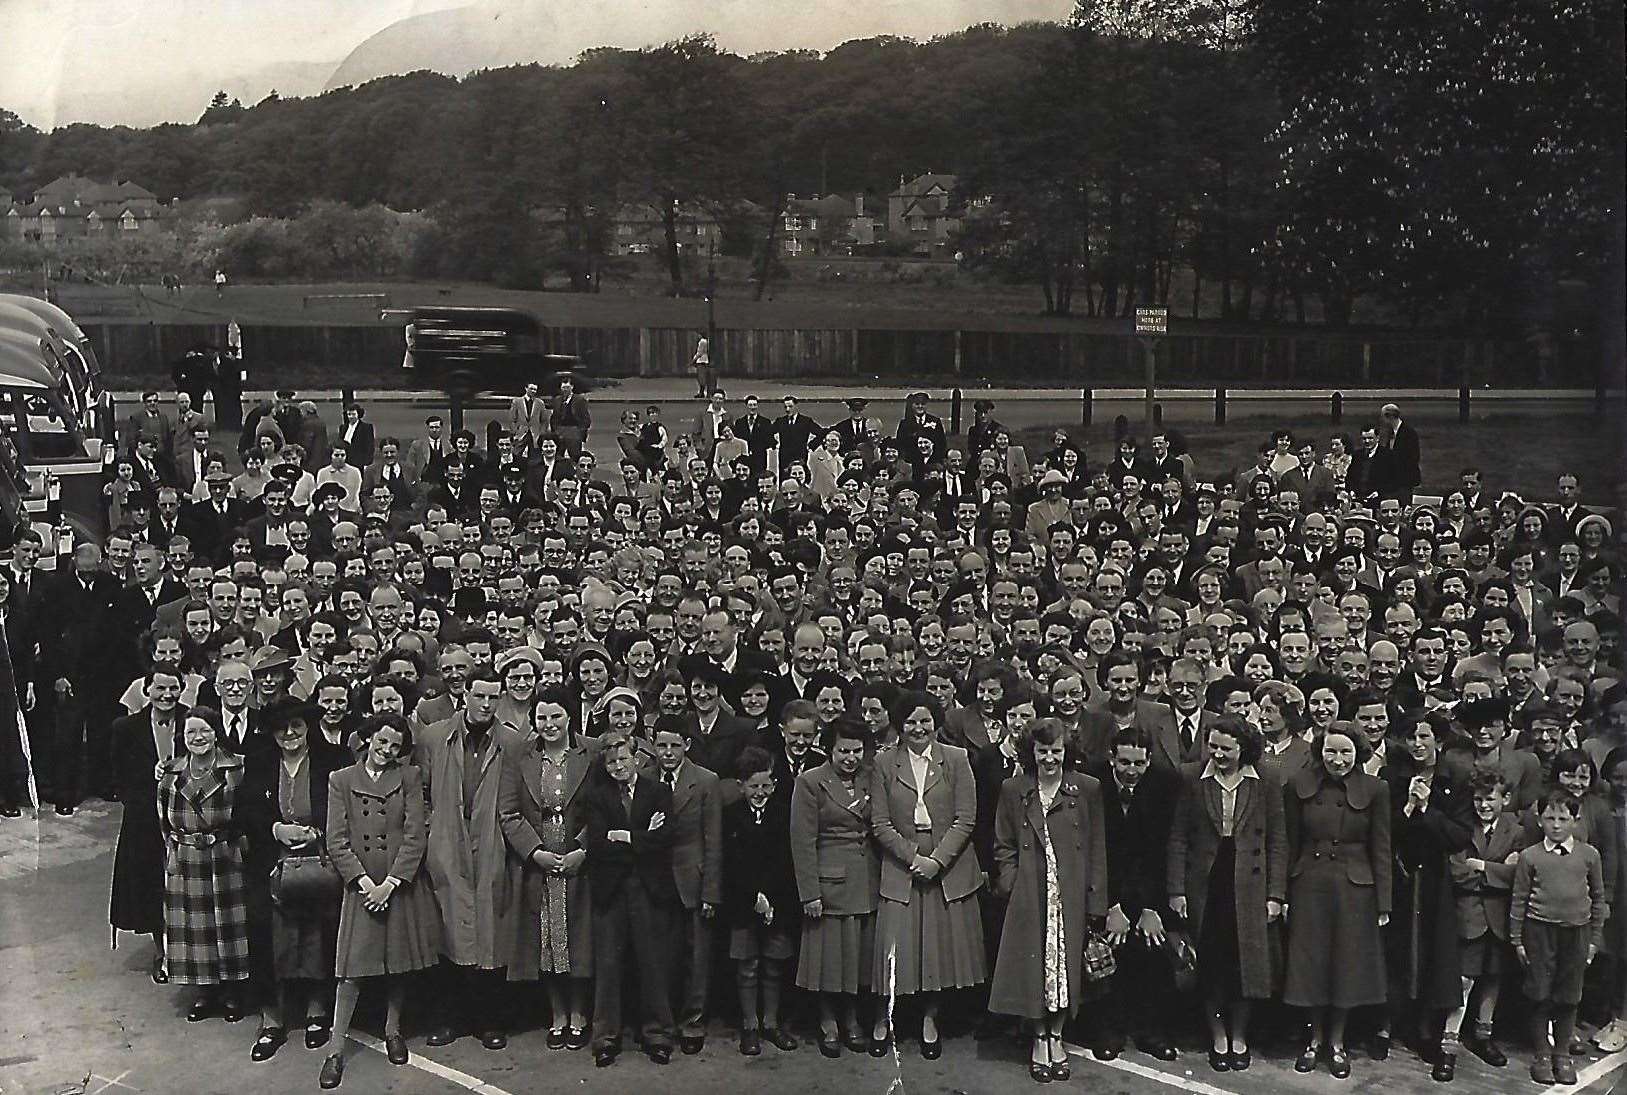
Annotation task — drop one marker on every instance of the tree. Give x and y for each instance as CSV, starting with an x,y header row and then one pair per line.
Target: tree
x,y
222,110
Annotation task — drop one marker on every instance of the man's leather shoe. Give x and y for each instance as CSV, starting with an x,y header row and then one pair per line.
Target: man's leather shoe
x,y
691,1045
494,1039
1157,1049
1108,1050
395,1048
333,1071
661,1055
441,1036
781,1038
1445,1067
64,810
751,1043
10,810
604,1056
1487,1050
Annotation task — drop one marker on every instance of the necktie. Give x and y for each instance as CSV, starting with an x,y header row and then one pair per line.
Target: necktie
x,y
237,728
671,779
627,800
1560,849
1189,732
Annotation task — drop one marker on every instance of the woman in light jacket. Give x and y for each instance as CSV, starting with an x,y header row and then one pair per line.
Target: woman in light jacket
x,y
929,936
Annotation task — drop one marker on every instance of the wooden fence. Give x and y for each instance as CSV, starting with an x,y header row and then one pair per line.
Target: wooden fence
x,y
371,355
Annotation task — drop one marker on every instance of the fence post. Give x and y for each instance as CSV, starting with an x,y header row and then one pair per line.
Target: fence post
x,y
954,410
1220,406
1463,400
1086,398
1338,407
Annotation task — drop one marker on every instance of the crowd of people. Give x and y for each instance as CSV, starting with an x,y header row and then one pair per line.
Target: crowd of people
x,y
850,717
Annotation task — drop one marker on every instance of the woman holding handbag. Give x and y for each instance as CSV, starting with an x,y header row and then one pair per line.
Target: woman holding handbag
x,y
1050,855
293,886
388,921
1228,879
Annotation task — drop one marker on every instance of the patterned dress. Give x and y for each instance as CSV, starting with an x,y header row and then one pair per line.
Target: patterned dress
x,y
556,951
206,915
1056,947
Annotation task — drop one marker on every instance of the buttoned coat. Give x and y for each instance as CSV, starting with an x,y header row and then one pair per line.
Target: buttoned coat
x,y
1483,896
831,849
467,859
521,816
696,822
951,800
1261,871
1421,938
1350,831
1138,839
376,830
1079,841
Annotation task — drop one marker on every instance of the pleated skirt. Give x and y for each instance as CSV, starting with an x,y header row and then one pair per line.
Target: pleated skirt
x,y
838,953
928,943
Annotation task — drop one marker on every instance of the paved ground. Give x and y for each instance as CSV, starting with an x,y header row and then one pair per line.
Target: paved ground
x,y
76,1016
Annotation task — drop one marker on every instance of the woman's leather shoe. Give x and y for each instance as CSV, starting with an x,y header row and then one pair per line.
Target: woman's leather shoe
x,y
880,1046
576,1038
317,1033
556,1038
200,1010
1241,1059
1220,1060
1306,1061
271,1039
829,1045
932,1050
1338,1063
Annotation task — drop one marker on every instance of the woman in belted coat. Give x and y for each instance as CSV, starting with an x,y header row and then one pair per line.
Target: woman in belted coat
x,y
539,805
1050,854
285,796
1228,878
206,919
1338,823
929,936
1431,818
388,922
838,875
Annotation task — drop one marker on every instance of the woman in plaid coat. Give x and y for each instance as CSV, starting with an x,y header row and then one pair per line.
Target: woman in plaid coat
x,y
205,897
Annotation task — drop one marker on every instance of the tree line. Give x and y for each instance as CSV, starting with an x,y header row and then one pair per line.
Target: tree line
x,y
1458,161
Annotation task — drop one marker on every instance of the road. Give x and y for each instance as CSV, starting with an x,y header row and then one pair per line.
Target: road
x,y
73,1010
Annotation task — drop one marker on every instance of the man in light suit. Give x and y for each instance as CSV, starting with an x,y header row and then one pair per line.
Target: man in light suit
x,y
527,420
1180,731
1310,480
696,822
709,423
426,456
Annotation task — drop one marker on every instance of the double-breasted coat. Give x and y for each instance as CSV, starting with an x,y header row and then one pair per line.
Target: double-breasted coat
x,y
206,917
376,830
835,861
468,862
1421,940
524,819
1260,871
1483,896
1078,838
696,822
1338,887
136,903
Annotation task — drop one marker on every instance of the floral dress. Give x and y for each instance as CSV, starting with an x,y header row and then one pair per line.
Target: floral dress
x,y
555,952
1056,948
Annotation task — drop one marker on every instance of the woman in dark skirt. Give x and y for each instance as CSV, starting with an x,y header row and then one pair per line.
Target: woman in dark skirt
x,y
1431,818
929,933
141,744
1338,825
1228,878
759,898
837,876
292,938
206,921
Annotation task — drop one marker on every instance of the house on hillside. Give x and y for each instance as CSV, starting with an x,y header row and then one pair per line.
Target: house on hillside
x,y
638,230
831,225
74,207
922,212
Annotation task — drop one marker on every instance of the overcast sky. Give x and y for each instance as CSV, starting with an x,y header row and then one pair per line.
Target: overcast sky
x,y
141,62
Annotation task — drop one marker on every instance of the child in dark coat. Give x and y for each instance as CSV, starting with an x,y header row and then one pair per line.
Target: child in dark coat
x,y
760,901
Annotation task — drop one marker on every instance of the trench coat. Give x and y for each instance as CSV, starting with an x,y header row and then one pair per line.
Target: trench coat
x,y
522,818
376,831
1261,872
467,860
1079,838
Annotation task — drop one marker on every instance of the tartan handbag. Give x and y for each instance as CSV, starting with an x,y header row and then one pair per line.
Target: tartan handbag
x,y
1098,959
1183,959
304,885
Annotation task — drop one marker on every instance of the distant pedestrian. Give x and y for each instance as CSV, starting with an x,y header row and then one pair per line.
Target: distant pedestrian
x,y
220,283
701,363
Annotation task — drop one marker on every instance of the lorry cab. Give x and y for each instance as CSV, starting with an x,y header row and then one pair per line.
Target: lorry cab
x,y
467,351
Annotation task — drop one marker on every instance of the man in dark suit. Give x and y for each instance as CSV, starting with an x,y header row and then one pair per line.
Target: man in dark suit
x,y
1179,733
1310,480
634,899
389,471
136,607
209,524
793,433
1406,458
357,435
758,433
75,626
716,736
426,456
1138,805
916,424
697,870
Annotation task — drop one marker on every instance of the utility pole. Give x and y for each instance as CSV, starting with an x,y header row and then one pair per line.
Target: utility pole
x,y
711,295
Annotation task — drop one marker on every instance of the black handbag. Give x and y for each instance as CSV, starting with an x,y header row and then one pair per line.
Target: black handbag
x,y
304,885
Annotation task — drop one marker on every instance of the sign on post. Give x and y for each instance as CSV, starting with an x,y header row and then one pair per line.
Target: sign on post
x,y
1151,323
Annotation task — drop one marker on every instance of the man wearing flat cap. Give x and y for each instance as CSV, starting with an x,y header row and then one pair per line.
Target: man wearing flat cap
x,y
209,523
980,437
916,424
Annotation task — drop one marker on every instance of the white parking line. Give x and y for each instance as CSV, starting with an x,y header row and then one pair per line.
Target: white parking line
x,y
435,1068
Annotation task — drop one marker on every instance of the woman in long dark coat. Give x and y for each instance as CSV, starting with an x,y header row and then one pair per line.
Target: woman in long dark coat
x,y
1338,823
1050,854
140,743
286,808
1431,818
539,805
1228,878
206,921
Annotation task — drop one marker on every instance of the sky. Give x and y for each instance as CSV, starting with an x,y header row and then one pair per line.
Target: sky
x,y
142,62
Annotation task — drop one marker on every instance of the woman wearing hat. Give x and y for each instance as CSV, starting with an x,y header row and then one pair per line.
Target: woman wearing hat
x,y
294,928
519,669
587,679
